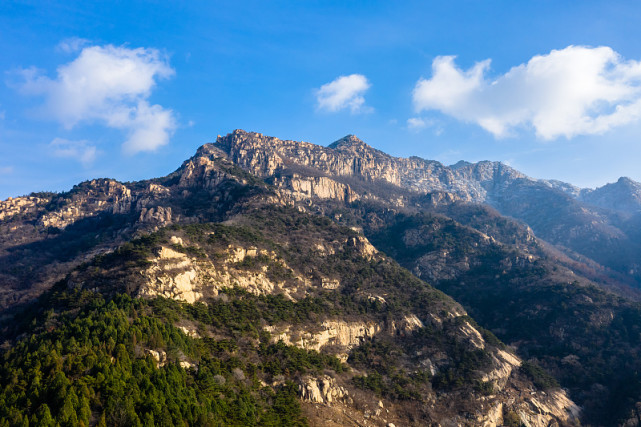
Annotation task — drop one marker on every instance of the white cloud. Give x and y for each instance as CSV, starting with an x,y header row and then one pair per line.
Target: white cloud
x,y
108,85
6,170
343,92
82,151
416,123
573,91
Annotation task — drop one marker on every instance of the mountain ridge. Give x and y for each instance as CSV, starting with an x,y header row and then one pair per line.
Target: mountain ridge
x,y
509,191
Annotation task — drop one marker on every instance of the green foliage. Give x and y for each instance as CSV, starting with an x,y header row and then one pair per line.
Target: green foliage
x,y
538,375
241,173
511,419
486,388
398,386
240,313
221,235
132,253
192,251
387,375
87,359
281,359
96,349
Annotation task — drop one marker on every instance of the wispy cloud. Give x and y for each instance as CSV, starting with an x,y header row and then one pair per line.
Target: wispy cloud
x,y
345,92
109,85
72,44
573,91
416,123
6,170
82,151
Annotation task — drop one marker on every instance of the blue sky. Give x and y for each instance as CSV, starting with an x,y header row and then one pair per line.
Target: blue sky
x,y
129,90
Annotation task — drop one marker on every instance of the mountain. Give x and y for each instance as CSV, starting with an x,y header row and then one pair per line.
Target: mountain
x,y
211,297
623,196
274,281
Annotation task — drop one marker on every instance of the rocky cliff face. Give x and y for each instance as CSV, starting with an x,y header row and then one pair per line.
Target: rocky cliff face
x,y
351,157
20,206
347,158
176,275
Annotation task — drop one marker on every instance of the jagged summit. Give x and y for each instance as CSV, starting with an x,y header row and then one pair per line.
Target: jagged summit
x,y
353,144
624,180
348,141
460,164
569,189
623,195
491,182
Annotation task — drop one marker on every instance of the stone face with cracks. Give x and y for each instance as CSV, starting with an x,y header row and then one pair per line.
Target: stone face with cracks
x,y
321,390
172,275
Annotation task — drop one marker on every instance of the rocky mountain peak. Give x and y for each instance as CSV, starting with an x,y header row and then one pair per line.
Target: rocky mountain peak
x,y
624,180
351,157
347,142
242,138
209,150
460,164
487,173
623,195
353,146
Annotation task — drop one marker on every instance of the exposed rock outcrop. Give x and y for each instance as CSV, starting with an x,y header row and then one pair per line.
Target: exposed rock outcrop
x,y
472,336
176,275
159,356
322,390
503,364
19,206
172,275
342,336
99,195
321,187
542,409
